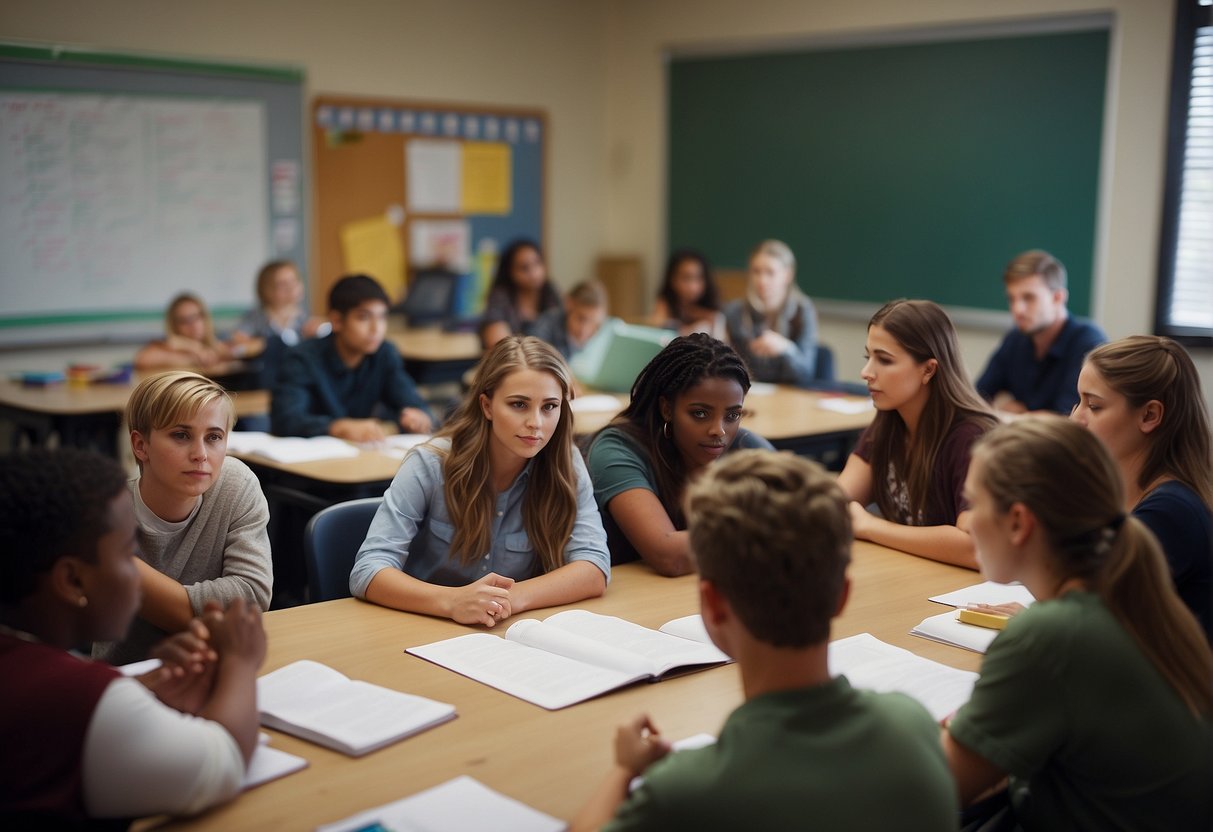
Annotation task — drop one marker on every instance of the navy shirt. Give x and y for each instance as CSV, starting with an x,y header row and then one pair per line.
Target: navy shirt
x,y
315,387
1184,527
1050,383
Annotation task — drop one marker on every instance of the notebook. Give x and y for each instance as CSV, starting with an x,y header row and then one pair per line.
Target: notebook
x,y
616,354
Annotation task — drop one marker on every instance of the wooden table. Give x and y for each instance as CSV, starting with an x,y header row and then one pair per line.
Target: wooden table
x,y
86,415
432,355
551,760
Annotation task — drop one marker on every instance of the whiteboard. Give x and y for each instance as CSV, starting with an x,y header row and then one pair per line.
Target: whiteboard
x,y
119,202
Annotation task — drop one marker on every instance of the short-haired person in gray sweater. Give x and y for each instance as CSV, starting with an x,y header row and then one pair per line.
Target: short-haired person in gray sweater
x,y
202,518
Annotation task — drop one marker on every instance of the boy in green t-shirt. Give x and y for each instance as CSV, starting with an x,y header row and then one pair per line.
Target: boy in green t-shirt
x,y
772,538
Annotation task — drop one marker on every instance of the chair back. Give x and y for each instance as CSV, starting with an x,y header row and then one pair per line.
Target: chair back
x,y
330,544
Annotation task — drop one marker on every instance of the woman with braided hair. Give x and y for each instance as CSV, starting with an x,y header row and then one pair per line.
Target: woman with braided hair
x,y
1097,699
685,413
1141,396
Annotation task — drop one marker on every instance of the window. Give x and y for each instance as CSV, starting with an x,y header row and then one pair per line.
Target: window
x,y
1185,287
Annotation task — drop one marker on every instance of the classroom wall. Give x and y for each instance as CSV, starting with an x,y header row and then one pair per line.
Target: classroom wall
x,y
641,31
529,53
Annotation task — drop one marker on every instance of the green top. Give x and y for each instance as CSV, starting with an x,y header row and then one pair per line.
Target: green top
x,y
1092,734
826,757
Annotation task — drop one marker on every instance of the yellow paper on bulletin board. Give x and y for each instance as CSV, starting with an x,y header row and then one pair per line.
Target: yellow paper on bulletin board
x,y
486,178
374,246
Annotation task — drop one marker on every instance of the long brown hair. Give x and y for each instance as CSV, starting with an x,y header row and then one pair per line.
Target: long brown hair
x,y
170,326
1065,477
685,361
549,508
923,330
1148,367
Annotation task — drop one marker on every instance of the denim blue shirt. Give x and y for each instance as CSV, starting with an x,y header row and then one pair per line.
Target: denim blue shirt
x,y
412,531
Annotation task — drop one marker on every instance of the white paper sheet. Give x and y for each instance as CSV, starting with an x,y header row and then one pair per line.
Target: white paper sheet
x,y
986,593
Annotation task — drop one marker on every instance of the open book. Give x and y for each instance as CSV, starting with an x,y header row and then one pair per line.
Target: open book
x,y
462,803
316,703
567,658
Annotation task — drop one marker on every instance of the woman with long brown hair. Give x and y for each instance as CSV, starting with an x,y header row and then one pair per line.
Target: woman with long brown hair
x,y
1097,699
1141,396
494,515
912,460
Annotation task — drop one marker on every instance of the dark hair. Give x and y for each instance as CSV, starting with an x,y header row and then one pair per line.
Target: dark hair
x,y
925,331
503,278
52,503
708,300
1036,262
355,289
686,361
771,531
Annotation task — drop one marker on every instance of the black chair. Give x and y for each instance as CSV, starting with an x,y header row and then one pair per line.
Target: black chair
x,y
330,544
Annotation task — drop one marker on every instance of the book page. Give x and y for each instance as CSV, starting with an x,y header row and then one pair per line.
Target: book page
x,y
689,626
286,686
986,593
665,651
462,803
870,663
544,679
268,764
552,639
946,629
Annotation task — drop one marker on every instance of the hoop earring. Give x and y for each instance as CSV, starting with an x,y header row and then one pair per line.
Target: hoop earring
x,y
665,430
82,601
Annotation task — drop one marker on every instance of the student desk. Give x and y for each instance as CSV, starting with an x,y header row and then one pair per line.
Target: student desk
x,y
86,416
551,760
433,355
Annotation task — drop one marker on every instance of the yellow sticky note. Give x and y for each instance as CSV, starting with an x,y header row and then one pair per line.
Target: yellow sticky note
x,y
374,246
486,178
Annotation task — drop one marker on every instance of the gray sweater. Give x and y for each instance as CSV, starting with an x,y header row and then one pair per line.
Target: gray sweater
x,y
223,554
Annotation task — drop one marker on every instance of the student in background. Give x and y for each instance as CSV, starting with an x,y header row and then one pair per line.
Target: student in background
x,y
775,328
189,339
772,539
495,515
1036,366
81,741
687,301
1097,699
1141,396
911,461
520,293
568,328
202,517
685,413
332,385
280,312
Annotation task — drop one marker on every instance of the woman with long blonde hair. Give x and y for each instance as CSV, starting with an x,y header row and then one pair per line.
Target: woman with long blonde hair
x,y
912,460
1141,396
1097,699
496,514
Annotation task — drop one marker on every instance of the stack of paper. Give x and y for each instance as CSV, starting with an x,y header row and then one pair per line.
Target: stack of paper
x,y
268,764
569,657
986,593
869,663
398,445
316,703
462,803
946,628
850,407
289,449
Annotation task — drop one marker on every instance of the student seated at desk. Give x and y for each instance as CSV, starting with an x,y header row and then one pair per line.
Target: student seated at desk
x,y
332,385
911,461
202,517
189,339
280,319
1141,396
685,413
496,514
772,539
1096,700
81,742
568,328
775,327
687,301
520,293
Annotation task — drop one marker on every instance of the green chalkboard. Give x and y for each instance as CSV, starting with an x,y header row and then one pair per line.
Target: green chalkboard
x,y
906,170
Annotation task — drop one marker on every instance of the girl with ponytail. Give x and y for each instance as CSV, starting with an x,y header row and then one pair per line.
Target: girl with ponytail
x,y
1097,699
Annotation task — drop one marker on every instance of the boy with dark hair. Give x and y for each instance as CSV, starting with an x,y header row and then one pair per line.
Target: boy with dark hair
x,y
568,327
772,538
331,385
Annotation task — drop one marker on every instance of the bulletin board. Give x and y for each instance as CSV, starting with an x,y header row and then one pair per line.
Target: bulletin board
x,y
406,185
125,179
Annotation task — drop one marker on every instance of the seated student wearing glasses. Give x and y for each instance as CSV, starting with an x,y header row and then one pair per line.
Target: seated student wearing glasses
x,y
332,385
1036,366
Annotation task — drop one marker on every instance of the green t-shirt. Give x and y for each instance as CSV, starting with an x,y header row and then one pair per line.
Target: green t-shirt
x,y
826,757
1092,734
